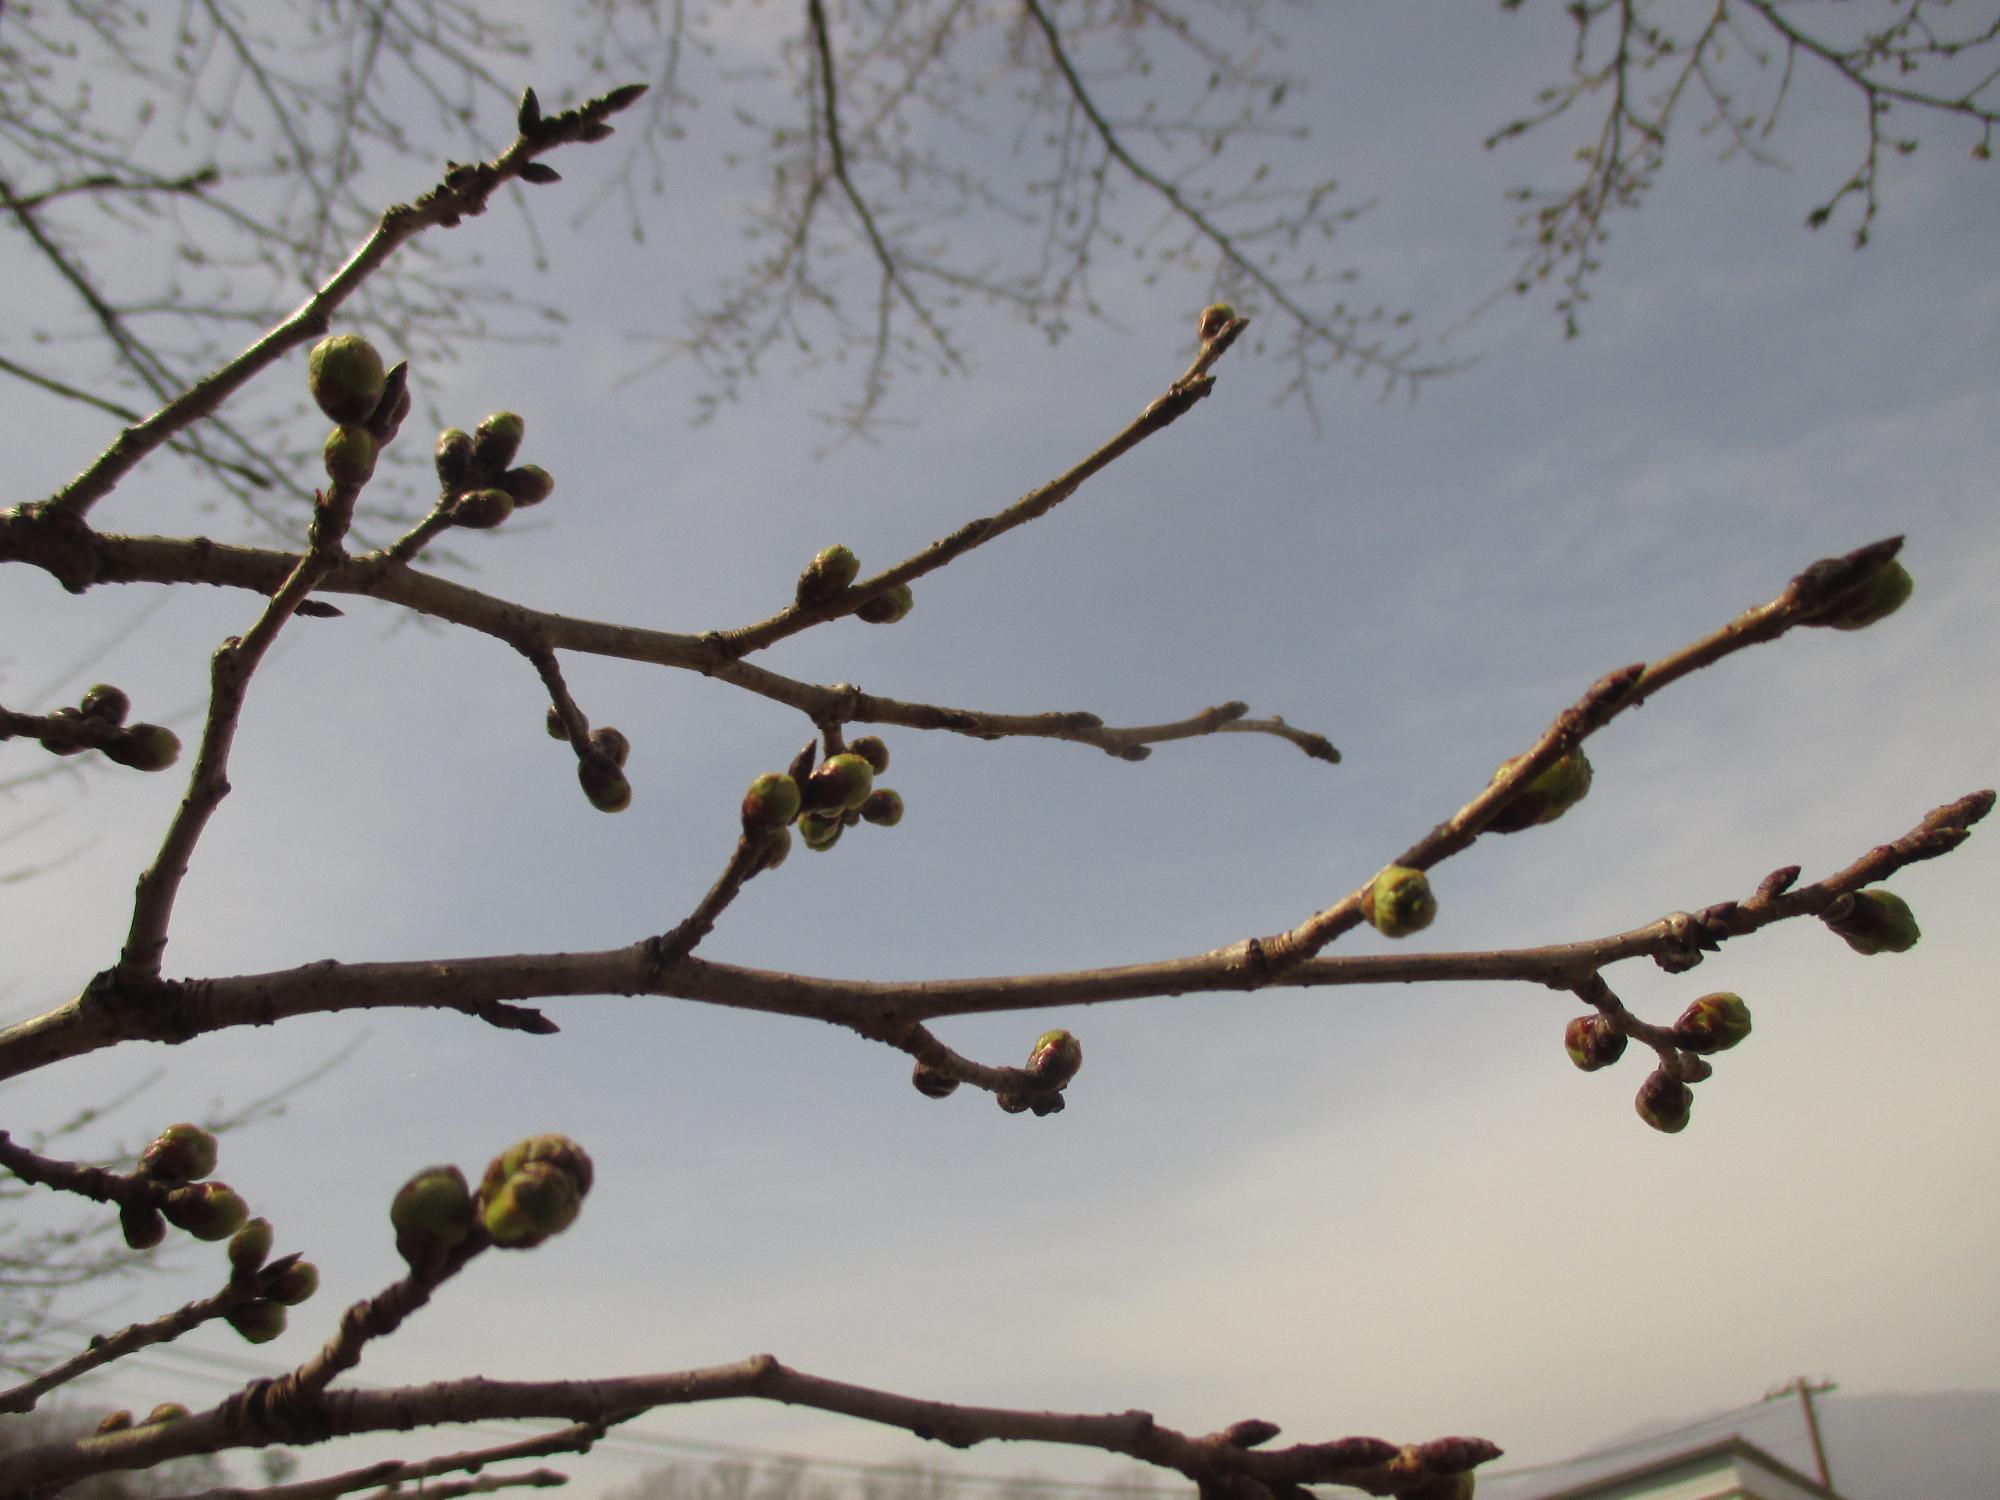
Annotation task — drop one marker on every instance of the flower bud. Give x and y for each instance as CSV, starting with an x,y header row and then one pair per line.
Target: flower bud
x,y
1055,1057
346,377
819,831
605,786
1399,902
496,440
826,576
883,808
166,1411
871,749
1214,318
1593,1042
114,1421
481,510
106,704
1664,1102
180,1153
296,1283
259,1322
775,846
887,607
771,802
534,1189
454,459
432,1214
1873,921
931,1083
558,1151
530,484
612,745
553,722
145,747
1714,1023
1876,597
59,739
142,1227
206,1210
349,455
1557,788
250,1247
839,783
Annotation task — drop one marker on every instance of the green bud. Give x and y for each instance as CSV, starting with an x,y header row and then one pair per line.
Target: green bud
x,y
826,576
454,459
605,786
771,802
931,1083
612,745
258,1322
1664,1102
60,740
819,831
1214,318
1593,1042
293,1285
557,1150
1399,902
1873,921
1055,1057
145,747
250,1247
1876,597
775,846
1714,1023
206,1210
180,1153
529,485
346,377
883,808
106,704
496,440
481,510
432,1214
553,722
887,607
840,782
871,748
1547,796
534,1203
349,455
166,1411
142,1227
114,1421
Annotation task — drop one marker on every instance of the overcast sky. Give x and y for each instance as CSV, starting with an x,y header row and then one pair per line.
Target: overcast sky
x,y
1395,1211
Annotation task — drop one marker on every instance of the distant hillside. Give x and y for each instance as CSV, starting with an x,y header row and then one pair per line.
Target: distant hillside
x,y
1942,1445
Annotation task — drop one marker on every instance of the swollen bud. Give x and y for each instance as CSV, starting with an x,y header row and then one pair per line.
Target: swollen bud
x,y
145,747
206,1210
819,831
481,510
293,1285
870,747
106,704
826,576
840,782
534,1189
887,607
1055,1057
1873,921
454,459
1664,1102
1714,1023
432,1214
612,745
931,1083
346,377
349,455
166,1411
1593,1042
530,484
1399,902
883,808
553,722
258,1322
1214,318
496,440
114,1421
180,1153
142,1227
1876,597
250,1247
605,786
774,848
1547,796
771,802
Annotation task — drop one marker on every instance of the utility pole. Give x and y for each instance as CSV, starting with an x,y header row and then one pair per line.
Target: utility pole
x,y
1806,1391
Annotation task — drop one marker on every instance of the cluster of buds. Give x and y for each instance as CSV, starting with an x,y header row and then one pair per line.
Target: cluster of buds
x,y
366,403
1557,788
833,571
823,799
97,722
479,484
1873,921
119,1421
1399,902
534,1189
178,1159
1714,1023
600,768
285,1282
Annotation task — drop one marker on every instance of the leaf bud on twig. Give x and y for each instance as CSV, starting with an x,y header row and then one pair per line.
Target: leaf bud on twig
x,y
1876,597
1548,795
166,1411
1873,921
826,576
1399,902
145,747
887,607
1214,318
432,1214
1055,1058
932,1083
349,455
345,376
114,1421
180,1153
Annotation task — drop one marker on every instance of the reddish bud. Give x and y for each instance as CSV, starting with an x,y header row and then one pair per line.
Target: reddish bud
x,y
1055,1058
1593,1042
1664,1102
180,1153
206,1210
1714,1023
